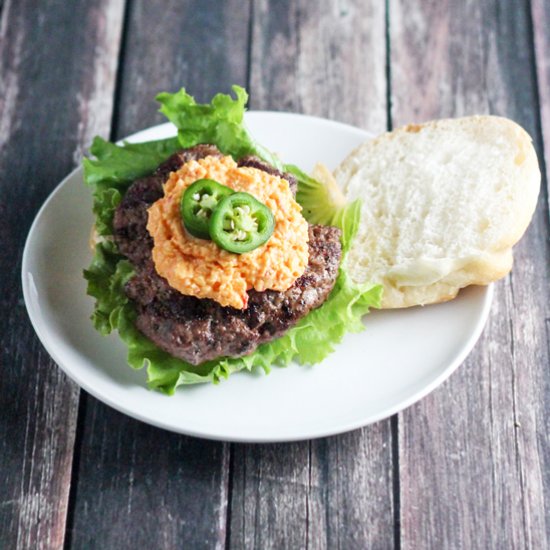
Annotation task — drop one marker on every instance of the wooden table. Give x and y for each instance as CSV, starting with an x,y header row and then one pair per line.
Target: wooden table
x,y
467,467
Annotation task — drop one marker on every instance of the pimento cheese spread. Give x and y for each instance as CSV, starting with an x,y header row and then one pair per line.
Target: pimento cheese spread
x,y
198,267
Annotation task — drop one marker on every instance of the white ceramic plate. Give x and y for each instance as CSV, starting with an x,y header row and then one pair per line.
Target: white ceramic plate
x,y
399,358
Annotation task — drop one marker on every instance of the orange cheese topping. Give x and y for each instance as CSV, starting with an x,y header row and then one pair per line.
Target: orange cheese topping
x,y
198,267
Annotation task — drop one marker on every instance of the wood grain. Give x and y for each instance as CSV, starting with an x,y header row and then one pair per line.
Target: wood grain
x,y
325,59
540,15
141,486
199,45
474,455
136,485
329,493
47,111
473,458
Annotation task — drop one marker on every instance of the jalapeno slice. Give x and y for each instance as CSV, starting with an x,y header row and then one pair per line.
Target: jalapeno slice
x,y
198,202
241,223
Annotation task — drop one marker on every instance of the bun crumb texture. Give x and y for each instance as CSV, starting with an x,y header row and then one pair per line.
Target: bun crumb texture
x,y
443,204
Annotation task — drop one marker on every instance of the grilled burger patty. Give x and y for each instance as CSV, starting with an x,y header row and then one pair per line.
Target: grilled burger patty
x,y
198,330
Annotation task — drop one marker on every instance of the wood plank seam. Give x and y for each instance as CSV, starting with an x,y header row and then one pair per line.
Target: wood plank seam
x,y
539,55
73,488
308,493
396,489
249,49
119,73
394,421
389,122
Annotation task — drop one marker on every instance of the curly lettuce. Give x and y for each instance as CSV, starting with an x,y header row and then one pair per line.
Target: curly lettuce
x,y
110,174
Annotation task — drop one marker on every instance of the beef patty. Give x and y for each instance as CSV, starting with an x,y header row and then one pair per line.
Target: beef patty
x,y
198,330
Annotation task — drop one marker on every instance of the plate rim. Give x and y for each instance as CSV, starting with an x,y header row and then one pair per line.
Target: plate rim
x,y
385,413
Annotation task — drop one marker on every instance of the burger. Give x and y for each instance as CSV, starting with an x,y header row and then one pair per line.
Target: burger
x,y
211,256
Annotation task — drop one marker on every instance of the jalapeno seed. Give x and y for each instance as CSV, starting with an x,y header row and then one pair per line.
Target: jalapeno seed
x,y
240,223
198,202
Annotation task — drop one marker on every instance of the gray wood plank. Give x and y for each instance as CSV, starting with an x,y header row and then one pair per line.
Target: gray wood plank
x,y
329,493
47,112
327,59
540,15
137,486
474,455
200,45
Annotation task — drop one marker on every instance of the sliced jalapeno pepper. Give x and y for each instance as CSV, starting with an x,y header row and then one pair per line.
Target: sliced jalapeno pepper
x,y
197,204
240,223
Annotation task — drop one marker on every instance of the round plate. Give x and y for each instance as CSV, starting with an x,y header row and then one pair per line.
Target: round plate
x,y
400,357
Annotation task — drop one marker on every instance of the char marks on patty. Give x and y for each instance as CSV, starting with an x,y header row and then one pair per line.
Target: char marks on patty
x,y
130,219
199,330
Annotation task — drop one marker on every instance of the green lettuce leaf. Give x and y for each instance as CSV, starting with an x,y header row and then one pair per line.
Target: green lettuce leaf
x,y
220,123
114,169
110,174
106,276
